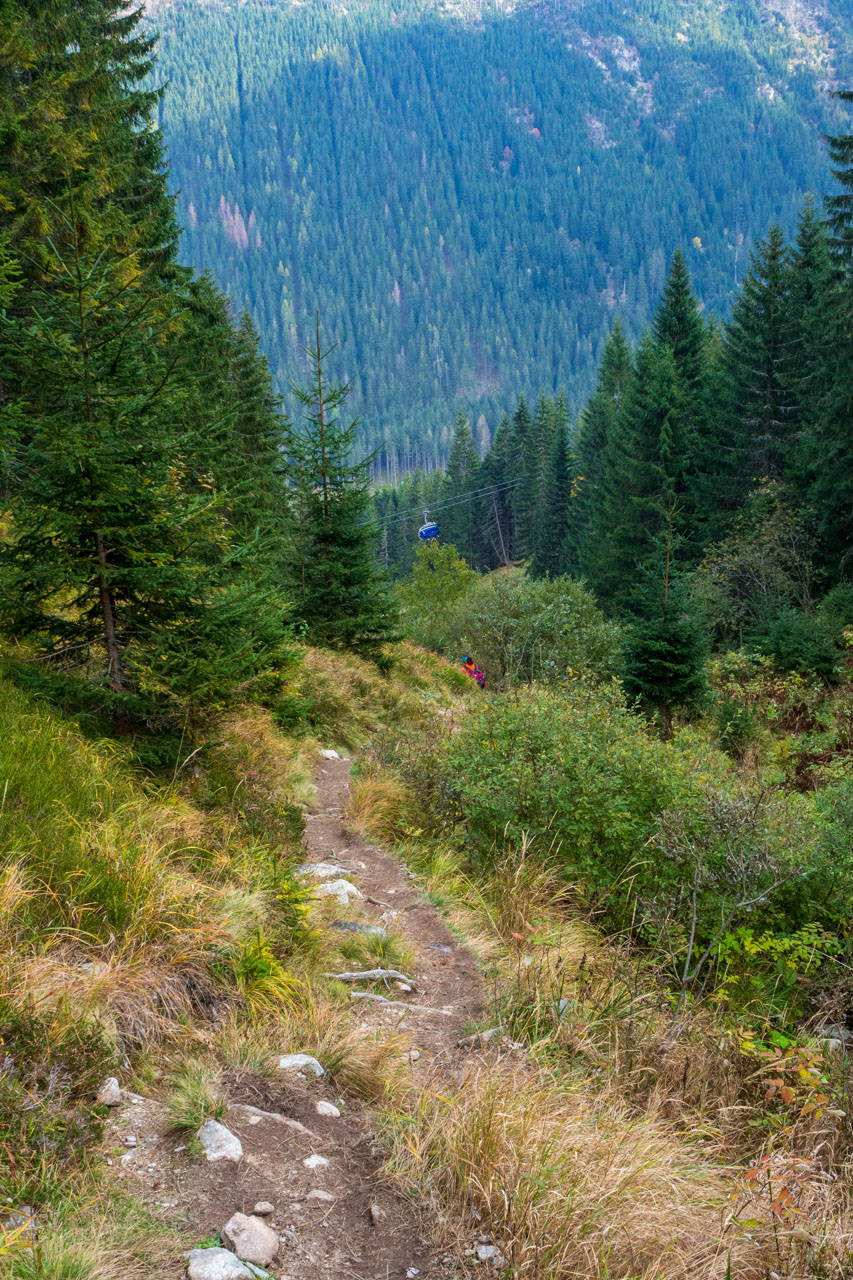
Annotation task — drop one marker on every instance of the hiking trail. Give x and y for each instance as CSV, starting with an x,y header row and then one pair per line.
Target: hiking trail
x,y
338,1217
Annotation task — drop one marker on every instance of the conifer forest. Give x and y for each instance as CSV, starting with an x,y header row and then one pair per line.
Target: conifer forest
x,y
426,640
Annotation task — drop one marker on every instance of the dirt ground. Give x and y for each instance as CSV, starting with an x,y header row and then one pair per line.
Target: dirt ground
x,y
330,1234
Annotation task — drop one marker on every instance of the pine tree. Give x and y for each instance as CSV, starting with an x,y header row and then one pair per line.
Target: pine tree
x,y
755,365
645,474
548,558
496,476
115,565
531,491
587,534
77,143
461,521
340,594
522,430
678,325
827,456
665,653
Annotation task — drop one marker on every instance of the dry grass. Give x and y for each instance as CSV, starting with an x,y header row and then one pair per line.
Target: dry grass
x,y
570,1186
380,808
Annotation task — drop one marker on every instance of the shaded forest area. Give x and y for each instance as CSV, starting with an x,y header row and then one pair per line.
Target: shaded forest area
x,y
470,197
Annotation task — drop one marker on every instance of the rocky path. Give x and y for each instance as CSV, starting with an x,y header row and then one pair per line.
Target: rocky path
x,y
303,1174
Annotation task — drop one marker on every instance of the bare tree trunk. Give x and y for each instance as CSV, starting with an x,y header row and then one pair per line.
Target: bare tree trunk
x,y
108,614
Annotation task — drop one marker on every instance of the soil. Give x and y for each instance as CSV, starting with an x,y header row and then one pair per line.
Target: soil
x,y
322,1239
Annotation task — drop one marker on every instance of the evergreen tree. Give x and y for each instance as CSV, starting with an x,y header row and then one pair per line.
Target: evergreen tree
x,y
551,535
461,520
678,325
755,357
496,472
340,594
646,470
115,564
665,653
587,533
522,431
827,453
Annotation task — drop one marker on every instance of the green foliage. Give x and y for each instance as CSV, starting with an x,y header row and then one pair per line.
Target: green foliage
x,y
736,726
522,629
664,658
799,642
194,1097
575,771
440,578
339,593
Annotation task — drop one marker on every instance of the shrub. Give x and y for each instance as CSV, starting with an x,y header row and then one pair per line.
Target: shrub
x,y
736,726
521,629
576,772
799,642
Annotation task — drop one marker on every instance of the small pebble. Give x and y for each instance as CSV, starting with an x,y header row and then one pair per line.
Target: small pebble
x,y
315,1162
327,1109
263,1209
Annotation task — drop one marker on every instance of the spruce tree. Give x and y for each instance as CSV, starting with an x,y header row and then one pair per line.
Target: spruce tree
x,y
646,472
522,429
664,657
339,592
496,475
116,566
828,457
756,348
461,521
678,325
588,535
548,557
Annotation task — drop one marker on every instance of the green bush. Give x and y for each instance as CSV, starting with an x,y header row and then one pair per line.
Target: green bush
x,y
521,629
736,726
799,642
578,773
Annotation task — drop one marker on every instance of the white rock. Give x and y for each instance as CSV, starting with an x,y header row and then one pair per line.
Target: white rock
x,y
315,1162
319,870
254,1119
411,1273
300,1062
216,1264
340,889
251,1239
109,1094
327,1109
377,1213
328,754
220,1143
323,1196
263,1209
414,1054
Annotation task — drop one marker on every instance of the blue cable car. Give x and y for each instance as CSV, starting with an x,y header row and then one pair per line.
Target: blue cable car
x,y
429,529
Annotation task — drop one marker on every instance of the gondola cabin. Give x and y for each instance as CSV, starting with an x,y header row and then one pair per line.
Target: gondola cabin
x,y
428,531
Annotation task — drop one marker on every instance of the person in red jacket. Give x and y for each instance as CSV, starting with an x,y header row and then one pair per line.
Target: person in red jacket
x,y
470,667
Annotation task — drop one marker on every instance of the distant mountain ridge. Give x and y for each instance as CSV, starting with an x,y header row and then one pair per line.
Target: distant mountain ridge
x,y
470,193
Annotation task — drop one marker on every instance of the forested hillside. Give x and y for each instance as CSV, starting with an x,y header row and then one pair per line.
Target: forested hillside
x,y
469,194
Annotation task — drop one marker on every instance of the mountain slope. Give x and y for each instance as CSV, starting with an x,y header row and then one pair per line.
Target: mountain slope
x,y
469,195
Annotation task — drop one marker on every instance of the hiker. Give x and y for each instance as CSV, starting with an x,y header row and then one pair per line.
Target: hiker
x,y
470,667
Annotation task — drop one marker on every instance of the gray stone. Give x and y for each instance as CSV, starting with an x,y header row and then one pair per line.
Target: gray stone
x,y
318,870
328,754
263,1209
340,889
323,1196
300,1062
377,1213
327,1109
315,1162
220,1143
251,1239
217,1264
109,1094
365,930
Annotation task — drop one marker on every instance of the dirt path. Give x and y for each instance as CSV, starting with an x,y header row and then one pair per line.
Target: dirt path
x,y
340,1219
